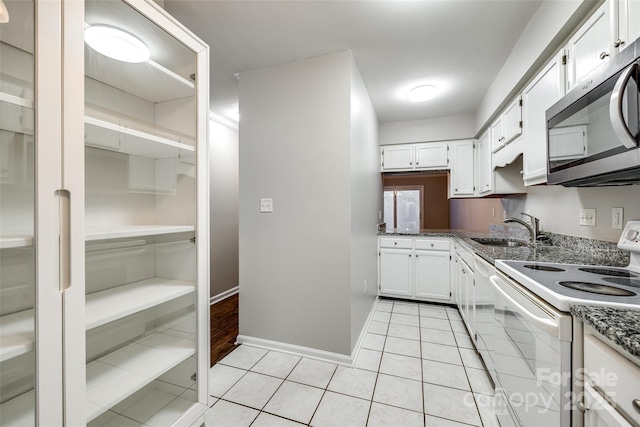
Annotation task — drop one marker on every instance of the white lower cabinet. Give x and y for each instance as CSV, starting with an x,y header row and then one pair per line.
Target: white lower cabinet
x,y
395,272
612,385
465,289
415,268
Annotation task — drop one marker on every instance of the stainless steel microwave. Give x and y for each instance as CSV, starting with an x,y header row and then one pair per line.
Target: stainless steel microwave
x,y
593,133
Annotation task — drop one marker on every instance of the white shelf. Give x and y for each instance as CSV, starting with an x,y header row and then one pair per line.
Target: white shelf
x,y
115,303
16,100
17,114
16,241
20,411
114,377
120,231
147,80
16,334
113,137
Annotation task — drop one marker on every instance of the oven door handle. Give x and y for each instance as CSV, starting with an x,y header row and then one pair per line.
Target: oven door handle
x,y
615,108
546,325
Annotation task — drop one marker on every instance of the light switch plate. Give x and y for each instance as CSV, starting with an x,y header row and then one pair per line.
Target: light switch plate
x,y
588,217
617,218
266,205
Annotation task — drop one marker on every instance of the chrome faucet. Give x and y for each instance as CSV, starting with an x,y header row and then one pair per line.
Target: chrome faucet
x,y
534,227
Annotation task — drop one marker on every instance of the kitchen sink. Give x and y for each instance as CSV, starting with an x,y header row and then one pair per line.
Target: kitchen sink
x,y
500,242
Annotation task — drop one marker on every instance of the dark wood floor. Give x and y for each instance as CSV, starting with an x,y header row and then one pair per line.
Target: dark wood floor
x,y
224,327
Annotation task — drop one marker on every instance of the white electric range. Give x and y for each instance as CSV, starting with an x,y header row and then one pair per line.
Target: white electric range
x,y
562,285
536,345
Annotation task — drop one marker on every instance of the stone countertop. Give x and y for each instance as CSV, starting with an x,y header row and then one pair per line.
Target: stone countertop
x,y
622,326
533,253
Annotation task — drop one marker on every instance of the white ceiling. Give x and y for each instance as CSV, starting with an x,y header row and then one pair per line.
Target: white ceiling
x,y
457,45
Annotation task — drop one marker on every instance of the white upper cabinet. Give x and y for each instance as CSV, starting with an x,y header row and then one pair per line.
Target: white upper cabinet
x,y
507,127
407,157
590,46
432,155
462,171
545,89
484,164
397,157
512,120
497,137
626,22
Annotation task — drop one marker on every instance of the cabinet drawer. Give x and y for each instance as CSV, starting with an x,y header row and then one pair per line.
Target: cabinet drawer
x,y
387,242
433,245
613,374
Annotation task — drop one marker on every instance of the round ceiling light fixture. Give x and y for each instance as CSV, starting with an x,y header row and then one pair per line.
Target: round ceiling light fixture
x,y
116,43
422,93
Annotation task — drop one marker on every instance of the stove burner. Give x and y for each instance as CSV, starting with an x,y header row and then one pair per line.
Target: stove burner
x,y
597,289
608,271
622,281
544,268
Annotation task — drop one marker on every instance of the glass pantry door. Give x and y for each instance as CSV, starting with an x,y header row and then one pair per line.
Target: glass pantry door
x,y
17,216
140,218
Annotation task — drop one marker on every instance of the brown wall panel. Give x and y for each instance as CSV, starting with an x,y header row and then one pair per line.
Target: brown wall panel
x,y
435,210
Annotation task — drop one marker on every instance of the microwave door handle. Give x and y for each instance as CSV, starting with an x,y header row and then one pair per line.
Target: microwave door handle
x,y
615,109
546,325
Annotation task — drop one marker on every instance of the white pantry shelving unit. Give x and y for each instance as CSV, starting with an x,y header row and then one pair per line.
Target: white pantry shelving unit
x,y
116,190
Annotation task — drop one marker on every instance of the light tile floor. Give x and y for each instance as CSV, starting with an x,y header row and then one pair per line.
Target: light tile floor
x,y
417,367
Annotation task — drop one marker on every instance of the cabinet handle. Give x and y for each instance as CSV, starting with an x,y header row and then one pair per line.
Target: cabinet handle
x,y
636,405
603,55
582,407
64,224
395,243
456,189
618,42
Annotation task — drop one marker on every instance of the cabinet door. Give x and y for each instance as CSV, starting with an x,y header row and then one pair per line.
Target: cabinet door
x,y
484,166
497,135
463,178
432,155
628,13
145,263
395,272
431,275
545,89
512,121
590,47
30,175
397,157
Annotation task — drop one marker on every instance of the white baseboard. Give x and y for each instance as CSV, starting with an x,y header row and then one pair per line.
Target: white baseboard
x,y
224,295
311,353
363,332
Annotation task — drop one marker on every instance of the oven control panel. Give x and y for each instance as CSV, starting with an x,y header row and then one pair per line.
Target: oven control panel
x,y
630,238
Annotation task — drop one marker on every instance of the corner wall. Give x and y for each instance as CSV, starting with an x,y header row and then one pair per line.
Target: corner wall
x,y
295,148
223,187
366,203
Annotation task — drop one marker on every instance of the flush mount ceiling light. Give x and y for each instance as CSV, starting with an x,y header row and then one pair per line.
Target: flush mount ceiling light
x,y
4,13
116,43
422,93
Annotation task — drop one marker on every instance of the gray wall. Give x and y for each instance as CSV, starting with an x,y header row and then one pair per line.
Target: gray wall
x,y
295,148
223,188
443,128
558,208
366,203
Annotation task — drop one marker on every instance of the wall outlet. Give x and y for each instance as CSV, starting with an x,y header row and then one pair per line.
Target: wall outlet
x,y
365,287
588,217
617,218
266,205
